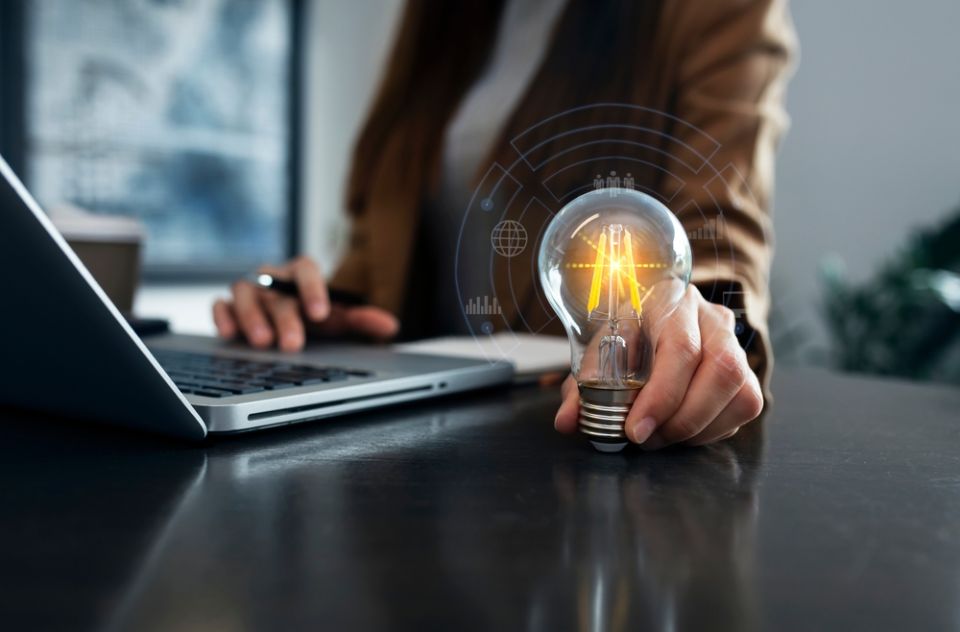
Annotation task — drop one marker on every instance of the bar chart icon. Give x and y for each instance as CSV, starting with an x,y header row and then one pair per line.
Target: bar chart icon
x,y
482,306
712,229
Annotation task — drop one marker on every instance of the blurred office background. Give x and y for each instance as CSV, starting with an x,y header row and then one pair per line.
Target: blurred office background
x,y
226,127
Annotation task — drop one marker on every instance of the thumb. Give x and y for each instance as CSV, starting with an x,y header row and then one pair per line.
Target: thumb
x,y
566,419
372,321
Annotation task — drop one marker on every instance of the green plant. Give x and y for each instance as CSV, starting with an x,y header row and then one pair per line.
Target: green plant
x,y
906,320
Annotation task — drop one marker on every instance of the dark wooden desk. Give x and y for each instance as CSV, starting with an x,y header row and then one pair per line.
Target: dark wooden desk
x,y
841,512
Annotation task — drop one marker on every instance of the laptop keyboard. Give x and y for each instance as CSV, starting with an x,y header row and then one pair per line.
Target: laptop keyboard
x,y
221,376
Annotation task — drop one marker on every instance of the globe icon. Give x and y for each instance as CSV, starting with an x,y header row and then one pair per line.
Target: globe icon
x,y
508,238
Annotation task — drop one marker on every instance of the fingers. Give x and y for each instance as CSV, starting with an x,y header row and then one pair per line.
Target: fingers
x,y
745,407
722,373
371,321
224,320
312,288
676,358
250,314
566,419
568,385
264,316
701,388
284,311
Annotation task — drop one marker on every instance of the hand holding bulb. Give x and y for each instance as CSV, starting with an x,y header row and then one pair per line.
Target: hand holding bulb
x,y
653,362
700,390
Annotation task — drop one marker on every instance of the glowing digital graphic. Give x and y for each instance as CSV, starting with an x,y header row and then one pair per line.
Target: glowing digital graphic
x,y
509,238
649,173
485,307
711,230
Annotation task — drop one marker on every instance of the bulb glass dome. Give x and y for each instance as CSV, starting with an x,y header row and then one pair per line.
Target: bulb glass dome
x,y
614,264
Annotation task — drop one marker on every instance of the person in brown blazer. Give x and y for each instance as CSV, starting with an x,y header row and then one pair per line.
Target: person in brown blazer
x,y
517,107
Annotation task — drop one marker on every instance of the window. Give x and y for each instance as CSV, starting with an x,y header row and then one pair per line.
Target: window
x,y
179,112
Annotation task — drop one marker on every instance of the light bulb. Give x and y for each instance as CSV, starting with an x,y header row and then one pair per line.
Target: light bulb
x,y
614,264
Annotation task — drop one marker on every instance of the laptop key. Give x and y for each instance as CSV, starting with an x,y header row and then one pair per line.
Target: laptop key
x,y
240,389
207,393
204,383
293,378
223,376
273,386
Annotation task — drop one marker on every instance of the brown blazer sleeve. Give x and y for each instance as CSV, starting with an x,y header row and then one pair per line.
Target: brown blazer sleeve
x,y
732,61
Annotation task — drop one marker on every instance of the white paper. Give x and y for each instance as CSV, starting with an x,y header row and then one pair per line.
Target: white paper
x,y
530,354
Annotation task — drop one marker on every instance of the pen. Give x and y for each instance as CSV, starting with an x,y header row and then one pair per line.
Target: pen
x,y
269,282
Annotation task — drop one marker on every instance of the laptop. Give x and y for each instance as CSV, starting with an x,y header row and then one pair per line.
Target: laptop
x,y
66,349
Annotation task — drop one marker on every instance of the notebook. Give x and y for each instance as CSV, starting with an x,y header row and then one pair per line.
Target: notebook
x,y
531,355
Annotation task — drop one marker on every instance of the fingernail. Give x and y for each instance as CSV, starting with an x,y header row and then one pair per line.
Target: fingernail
x,y
260,334
318,309
292,341
643,429
556,420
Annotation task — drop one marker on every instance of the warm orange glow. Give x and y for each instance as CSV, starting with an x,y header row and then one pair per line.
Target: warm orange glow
x,y
632,275
619,271
594,299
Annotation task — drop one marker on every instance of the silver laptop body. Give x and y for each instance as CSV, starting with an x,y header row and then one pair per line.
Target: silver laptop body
x,y
66,349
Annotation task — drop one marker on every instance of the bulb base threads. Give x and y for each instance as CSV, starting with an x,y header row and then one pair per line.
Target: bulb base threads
x,y
603,410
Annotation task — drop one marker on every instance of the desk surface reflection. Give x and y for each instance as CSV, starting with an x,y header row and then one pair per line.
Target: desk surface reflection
x,y
841,510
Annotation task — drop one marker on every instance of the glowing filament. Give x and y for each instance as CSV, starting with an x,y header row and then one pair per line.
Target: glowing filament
x,y
632,275
594,300
618,265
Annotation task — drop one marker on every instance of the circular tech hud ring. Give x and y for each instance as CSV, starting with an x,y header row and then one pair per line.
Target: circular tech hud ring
x,y
562,157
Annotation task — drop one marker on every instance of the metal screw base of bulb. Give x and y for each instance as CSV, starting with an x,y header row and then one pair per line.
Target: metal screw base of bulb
x,y
602,413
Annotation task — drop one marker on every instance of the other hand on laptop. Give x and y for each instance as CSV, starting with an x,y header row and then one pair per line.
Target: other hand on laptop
x,y
265,318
